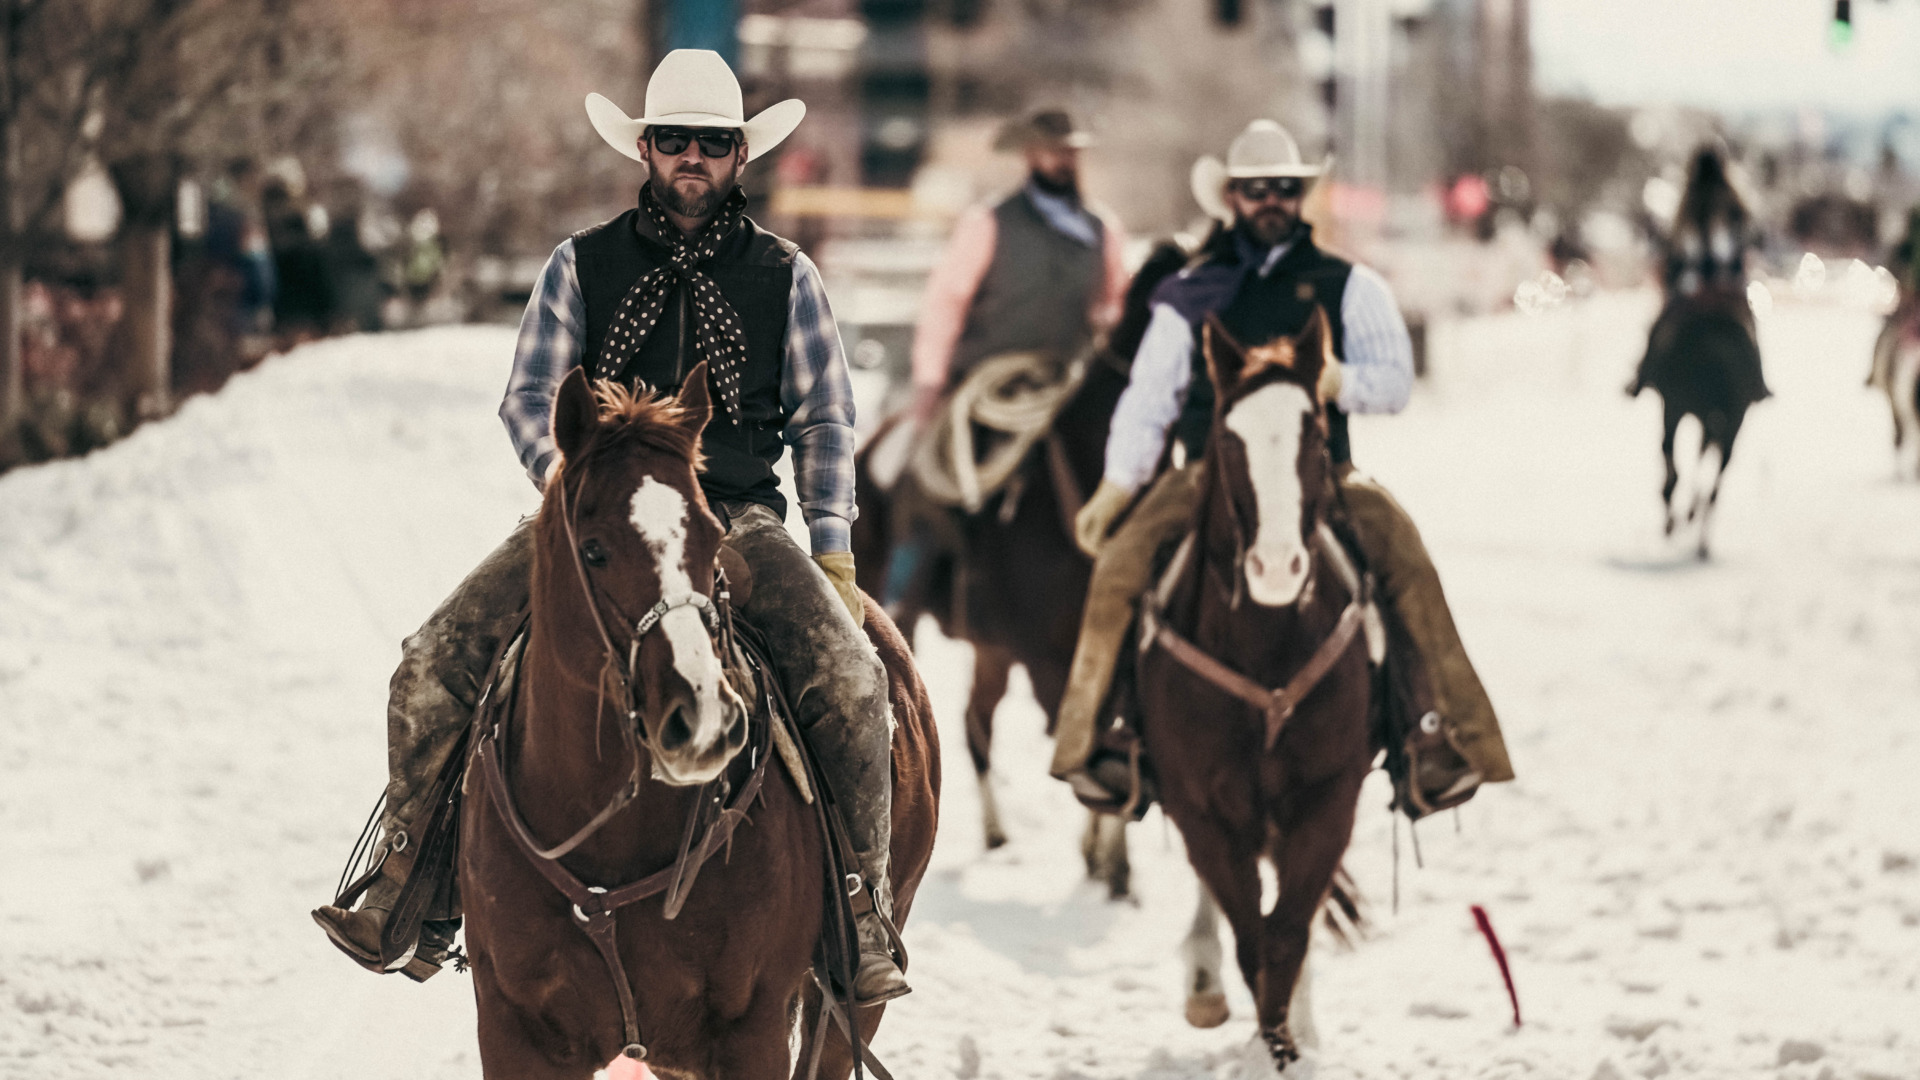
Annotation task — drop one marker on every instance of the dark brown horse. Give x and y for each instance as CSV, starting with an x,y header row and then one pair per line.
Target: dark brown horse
x,y
625,530
1256,694
1703,359
1018,592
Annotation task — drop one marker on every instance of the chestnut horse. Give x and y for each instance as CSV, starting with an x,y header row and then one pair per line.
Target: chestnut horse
x,y
714,987
1261,597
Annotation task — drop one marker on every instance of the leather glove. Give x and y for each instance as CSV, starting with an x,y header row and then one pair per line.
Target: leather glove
x,y
838,566
1332,378
1091,524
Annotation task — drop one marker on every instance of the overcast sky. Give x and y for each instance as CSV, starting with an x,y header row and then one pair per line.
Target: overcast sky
x,y
1729,54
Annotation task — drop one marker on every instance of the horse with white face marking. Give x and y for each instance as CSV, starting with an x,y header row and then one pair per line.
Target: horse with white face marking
x,y
624,736
1255,686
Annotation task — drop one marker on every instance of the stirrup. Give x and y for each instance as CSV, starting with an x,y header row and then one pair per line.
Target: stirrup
x,y
1111,784
1417,803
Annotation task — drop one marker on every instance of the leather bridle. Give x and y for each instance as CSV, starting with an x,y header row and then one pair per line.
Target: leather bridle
x,y
1276,704
593,906
633,734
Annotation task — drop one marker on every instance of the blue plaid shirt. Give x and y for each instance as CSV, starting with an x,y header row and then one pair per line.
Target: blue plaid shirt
x,y
815,390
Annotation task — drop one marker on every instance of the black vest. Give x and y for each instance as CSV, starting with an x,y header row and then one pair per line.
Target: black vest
x,y
1036,292
754,270
1266,308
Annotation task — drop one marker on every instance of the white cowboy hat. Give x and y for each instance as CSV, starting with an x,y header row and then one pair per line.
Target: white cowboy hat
x,y
1263,149
694,88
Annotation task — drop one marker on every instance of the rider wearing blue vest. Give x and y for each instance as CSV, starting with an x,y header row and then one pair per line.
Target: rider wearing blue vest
x,y
1262,274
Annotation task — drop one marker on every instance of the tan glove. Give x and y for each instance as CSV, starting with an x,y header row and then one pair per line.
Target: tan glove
x,y
1091,524
1332,378
839,570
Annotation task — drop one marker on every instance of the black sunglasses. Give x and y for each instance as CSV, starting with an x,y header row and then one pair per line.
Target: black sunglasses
x,y
714,142
1259,187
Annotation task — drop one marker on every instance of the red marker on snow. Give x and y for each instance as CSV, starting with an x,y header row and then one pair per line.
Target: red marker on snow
x,y
1499,957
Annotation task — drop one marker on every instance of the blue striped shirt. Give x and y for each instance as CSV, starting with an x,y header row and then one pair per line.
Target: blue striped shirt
x,y
815,390
1378,377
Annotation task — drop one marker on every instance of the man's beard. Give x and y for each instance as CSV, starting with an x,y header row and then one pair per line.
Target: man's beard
x,y
699,206
1069,188
1270,228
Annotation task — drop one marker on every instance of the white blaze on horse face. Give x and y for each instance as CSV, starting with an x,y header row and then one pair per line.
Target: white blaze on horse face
x,y
1269,422
660,514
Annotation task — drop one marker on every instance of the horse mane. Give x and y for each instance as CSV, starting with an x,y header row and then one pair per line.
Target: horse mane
x,y
647,418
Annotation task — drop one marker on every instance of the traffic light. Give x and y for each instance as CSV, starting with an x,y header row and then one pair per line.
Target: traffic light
x,y
1840,30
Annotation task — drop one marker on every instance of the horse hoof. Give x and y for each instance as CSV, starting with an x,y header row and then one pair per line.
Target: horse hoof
x,y
996,839
1207,1010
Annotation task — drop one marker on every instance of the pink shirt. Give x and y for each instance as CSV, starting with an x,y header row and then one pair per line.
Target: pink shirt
x,y
955,279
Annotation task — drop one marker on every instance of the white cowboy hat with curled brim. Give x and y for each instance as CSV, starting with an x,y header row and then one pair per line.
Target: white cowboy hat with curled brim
x,y
694,88
1263,149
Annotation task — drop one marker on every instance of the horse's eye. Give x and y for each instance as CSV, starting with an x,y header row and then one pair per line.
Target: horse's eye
x,y
593,553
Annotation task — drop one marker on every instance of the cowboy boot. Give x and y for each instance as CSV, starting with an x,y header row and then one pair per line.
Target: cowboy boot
x,y
357,932
430,701
878,978
856,759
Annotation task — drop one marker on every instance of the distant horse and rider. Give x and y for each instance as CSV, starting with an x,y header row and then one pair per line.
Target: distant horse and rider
x,y
1703,353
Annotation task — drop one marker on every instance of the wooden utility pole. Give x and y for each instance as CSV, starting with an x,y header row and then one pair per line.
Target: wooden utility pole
x,y
148,186
12,378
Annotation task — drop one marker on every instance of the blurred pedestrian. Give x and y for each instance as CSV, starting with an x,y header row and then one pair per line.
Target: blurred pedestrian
x,y
1040,271
425,258
351,267
1261,273
236,239
303,305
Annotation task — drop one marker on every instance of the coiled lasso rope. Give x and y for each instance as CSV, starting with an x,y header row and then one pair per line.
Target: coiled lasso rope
x,y
1014,394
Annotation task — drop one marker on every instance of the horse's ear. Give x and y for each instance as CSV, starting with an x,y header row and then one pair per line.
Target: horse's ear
x,y
1226,358
575,413
696,399
1313,348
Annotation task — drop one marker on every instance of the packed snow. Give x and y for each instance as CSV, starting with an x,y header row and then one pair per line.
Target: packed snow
x,y
1708,865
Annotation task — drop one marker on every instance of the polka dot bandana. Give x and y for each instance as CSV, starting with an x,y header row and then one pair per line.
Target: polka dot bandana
x,y
717,336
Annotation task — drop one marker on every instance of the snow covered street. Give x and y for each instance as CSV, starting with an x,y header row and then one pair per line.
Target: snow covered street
x,y
1709,865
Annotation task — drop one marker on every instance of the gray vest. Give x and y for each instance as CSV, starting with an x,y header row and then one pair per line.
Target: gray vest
x,y
1036,292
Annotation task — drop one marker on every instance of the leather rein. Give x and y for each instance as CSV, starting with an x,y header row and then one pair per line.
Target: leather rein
x,y
1276,704
722,810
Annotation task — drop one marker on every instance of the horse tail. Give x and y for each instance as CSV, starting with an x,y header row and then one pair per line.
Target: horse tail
x,y
1344,909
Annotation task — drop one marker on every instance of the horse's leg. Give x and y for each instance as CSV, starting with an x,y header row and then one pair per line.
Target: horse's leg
x,y
1104,846
1229,869
991,666
1313,836
1718,453
1671,421
1903,392
836,1056
1206,996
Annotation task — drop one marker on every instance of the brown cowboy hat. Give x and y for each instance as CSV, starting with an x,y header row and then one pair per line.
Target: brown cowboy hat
x,y
1052,126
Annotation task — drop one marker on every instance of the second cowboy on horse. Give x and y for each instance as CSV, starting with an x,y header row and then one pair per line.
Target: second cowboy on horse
x,y
1041,272
1262,274
682,278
